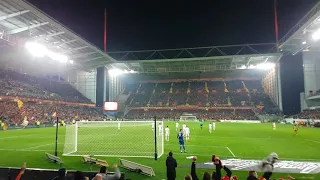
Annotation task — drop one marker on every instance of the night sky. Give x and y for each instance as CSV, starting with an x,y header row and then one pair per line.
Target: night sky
x,y
139,25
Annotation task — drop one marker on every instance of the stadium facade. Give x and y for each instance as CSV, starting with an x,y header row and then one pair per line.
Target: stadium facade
x,y
302,41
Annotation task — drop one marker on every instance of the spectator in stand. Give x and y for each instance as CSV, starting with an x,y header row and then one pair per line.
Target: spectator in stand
x,y
171,164
79,176
62,172
252,175
193,169
217,175
206,176
106,176
97,177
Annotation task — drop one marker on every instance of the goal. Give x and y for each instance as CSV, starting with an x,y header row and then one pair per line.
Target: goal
x,y
188,118
113,138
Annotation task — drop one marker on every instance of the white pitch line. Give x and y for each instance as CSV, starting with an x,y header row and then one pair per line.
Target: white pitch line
x,y
35,147
15,137
230,151
22,150
313,141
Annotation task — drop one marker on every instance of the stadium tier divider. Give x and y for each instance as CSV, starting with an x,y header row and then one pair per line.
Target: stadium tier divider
x,y
33,173
53,158
136,167
91,160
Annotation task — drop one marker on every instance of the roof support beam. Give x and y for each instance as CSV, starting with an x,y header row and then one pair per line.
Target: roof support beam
x,y
248,62
83,54
14,31
65,42
78,48
4,17
48,35
92,59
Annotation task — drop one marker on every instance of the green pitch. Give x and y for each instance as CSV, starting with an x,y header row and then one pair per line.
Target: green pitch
x,y
247,141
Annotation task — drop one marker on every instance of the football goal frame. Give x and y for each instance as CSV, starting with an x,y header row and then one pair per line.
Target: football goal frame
x,y
188,118
154,147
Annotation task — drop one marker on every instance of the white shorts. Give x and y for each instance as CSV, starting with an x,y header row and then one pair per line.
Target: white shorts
x,y
167,134
188,134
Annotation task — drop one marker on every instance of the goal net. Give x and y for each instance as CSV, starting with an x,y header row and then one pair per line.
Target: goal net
x,y
113,138
188,118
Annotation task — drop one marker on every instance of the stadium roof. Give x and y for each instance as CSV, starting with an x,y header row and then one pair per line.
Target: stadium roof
x,y
203,59
299,38
20,22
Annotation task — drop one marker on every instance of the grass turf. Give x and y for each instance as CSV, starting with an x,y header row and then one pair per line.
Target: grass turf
x,y
247,141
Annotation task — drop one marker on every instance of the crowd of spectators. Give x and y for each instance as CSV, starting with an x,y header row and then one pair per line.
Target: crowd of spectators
x,y
45,113
308,114
63,174
200,93
234,93
210,114
46,88
266,166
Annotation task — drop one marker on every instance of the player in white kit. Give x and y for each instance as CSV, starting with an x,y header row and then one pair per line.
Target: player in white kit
x,y
119,124
160,129
214,126
274,126
167,133
152,124
210,127
187,130
177,126
184,128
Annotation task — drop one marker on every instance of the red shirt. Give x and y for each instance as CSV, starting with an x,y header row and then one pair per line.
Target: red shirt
x,y
225,178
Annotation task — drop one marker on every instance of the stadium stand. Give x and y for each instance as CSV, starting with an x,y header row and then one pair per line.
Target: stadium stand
x,y
42,99
308,114
45,88
43,112
242,100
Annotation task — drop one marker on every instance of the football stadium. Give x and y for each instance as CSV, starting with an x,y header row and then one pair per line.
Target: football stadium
x,y
69,110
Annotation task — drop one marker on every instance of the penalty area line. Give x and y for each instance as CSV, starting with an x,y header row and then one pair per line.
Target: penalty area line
x,y
35,147
230,151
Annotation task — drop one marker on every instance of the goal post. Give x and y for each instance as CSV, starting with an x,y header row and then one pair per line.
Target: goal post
x,y
188,118
114,138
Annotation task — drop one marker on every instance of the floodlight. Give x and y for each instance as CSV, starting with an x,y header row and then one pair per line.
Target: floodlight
x,y
132,71
71,61
304,42
36,49
242,67
58,57
115,72
266,66
252,67
316,35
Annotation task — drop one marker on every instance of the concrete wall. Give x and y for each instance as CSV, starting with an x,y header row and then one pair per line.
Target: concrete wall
x,y
84,82
311,70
